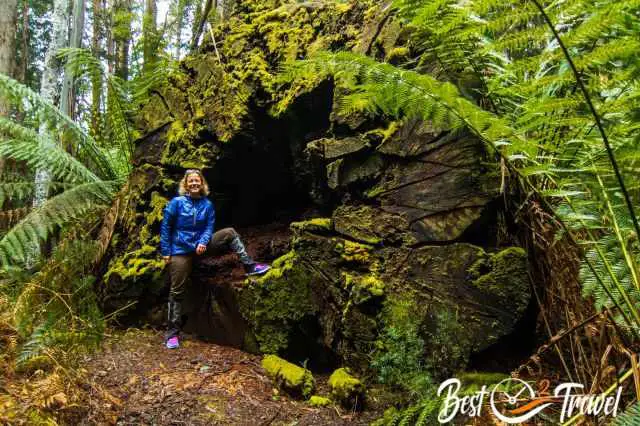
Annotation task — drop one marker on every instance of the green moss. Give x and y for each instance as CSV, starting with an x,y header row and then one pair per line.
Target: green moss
x,y
183,148
274,302
504,275
374,191
294,379
137,263
319,401
141,258
279,267
397,53
362,288
346,388
354,252
317,224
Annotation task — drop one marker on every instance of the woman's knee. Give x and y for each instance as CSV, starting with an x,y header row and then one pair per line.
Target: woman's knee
x,y
229,233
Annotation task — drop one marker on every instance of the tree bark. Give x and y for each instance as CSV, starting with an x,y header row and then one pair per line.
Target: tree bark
x,y
21,71
67,95
96,84
8,18
121,33
49,84
180,8
200,25
150,36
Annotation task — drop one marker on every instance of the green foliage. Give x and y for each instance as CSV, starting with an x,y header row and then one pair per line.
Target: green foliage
x,y
629,417
56,311
57,126
51,285
399,358
423,413
77,187
447,352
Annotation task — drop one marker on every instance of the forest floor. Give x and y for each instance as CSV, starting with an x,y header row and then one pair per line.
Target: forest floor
x,y
134,379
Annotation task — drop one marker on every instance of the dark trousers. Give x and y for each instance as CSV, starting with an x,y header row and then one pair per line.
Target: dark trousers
x,y
222,242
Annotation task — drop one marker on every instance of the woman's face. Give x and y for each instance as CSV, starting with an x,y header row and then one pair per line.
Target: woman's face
x,y
194,184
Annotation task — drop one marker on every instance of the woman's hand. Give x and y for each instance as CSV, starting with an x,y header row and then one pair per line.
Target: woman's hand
x,y
201,249
167,259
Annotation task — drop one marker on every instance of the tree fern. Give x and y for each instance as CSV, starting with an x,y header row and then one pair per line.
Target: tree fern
x,y
87,149
56,212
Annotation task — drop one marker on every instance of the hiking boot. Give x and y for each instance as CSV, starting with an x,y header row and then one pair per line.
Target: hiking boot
x,y
173,342
256,269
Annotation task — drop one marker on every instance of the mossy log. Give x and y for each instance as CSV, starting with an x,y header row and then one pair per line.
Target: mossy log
x,y
391,207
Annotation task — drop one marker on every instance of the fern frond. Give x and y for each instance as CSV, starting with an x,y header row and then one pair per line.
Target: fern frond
x,y
48,113
629,417
50,157
55,212
23,190
400,93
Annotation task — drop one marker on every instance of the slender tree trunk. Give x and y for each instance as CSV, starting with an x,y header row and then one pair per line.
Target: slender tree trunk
x,y
200,24
49,84
67,94
96,83
180,7
121,32
150,37
21,73
8,25
8,18
220,8
109,25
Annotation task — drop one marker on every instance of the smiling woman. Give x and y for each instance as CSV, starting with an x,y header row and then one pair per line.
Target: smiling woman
x,y
187,230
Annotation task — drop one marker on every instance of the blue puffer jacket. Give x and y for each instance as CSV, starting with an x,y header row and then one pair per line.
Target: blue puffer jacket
x,y
187,222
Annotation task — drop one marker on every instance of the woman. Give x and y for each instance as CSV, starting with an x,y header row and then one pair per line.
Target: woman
x,y
186,232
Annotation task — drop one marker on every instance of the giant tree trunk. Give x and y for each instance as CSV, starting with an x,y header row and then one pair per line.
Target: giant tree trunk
x,y
382,212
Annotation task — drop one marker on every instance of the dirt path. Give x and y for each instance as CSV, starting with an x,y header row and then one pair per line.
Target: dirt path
x,y
135,380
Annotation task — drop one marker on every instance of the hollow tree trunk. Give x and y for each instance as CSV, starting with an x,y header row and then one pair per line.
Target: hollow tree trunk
x,y
382,213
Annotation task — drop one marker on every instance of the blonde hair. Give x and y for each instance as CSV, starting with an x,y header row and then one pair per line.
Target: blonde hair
x,y
182,189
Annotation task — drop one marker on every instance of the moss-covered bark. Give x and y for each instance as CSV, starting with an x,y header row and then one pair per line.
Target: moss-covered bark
x,y
409,209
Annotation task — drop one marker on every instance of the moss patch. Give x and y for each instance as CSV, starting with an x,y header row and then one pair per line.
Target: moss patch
x,y
319,401
362,287
353,252
276,301
290,377
346,388
137,260
504,275
319,224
